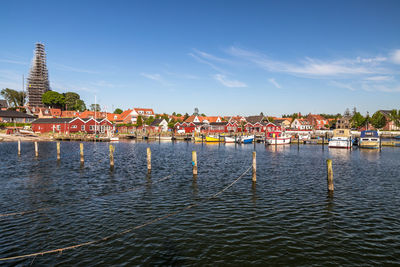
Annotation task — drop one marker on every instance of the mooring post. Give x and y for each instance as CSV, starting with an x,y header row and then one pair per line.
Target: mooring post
x,y
81,148
323,142
112,148
276,141
19,147
298,141
36,150
330,175
194,163
254,177
148,160
380,143
58,151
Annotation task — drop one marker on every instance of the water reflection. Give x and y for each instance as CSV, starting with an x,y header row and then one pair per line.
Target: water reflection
x,y
370,154
340,153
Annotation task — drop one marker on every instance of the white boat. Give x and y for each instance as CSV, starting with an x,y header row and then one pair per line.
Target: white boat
x,y
341,139
164,138
369,139
114,139
229,139
279,138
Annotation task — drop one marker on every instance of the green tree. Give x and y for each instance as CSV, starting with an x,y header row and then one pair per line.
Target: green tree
x,y
149,120
118,111
395,117
171,123
139,121
13,97
174,113
357,120
378,120
80,105
71,100
186,116
95,107
53,99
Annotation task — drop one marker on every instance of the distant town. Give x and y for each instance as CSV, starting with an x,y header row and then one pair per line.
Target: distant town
x,y
43,111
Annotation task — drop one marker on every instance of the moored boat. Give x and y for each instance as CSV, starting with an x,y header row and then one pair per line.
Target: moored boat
x,y
213,139
279,138
229,139
341,139
369,139
245,139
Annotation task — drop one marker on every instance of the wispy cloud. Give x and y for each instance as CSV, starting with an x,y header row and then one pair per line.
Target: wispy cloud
x,y
272,80
395,56
228,83
343,85
155,77
379,78
182,75
201,60
73,69
308,66
13,61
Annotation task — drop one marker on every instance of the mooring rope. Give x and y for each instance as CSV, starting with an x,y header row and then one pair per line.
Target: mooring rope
x,y
82,200
60,250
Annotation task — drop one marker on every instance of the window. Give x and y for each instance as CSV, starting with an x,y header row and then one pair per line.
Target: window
x,y
58,127
82,127
91,127
74,126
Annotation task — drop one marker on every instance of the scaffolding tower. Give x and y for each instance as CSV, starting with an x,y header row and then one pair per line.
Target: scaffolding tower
x,y
38,80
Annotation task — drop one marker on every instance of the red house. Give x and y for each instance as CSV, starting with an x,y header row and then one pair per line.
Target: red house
x,y
71,125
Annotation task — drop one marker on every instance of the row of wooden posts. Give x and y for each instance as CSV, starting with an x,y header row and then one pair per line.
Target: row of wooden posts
x,y
194,162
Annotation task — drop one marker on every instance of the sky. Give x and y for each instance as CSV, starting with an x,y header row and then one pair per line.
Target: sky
x,y
223,57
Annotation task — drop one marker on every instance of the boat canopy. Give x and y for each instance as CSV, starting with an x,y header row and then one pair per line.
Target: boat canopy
x,y
273,134
369,134
341,133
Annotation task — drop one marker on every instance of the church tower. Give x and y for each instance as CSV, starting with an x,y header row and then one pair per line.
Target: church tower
x,y
38,80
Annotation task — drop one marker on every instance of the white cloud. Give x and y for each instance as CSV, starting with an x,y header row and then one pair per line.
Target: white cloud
x,y
201,60
308,67
73,69
13,61
272,80
396,56
343,85
379,78
228,83
381,88
155,77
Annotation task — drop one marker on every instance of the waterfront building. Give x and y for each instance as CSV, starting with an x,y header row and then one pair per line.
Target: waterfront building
x,y
343,122
15,116
301,124
71,125
317,121
38,80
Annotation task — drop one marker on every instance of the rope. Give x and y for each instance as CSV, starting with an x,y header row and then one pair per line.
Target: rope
x,y
60,250
82,200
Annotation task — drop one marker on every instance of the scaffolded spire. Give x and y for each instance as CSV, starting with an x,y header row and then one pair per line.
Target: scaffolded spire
x,y
38,80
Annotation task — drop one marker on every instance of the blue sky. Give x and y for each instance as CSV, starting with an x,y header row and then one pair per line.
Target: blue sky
x,y
224,57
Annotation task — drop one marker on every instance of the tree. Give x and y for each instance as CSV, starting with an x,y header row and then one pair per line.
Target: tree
x,y
171,123
378,120
80,105
118,111
149,120
395,117
357,120
186,116
95,107
174,113
53,99
139,121
203,115
13,97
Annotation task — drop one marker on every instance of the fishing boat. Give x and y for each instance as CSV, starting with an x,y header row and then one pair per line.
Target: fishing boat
x,y
279,138
210,138
199,139
369,139
245,139
229,139
341,139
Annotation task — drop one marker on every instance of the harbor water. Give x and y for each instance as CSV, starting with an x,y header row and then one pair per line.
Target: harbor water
x,y
286,218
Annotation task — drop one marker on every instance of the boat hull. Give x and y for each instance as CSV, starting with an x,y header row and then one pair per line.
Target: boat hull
x,y
369,144
278,141
229,139
213,139
340,144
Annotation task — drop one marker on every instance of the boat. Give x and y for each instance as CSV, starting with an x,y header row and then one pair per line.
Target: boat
x,y
245,139
229,139
341,139
164,138
210,138
369,139
397,137
198,139
278,138
114,139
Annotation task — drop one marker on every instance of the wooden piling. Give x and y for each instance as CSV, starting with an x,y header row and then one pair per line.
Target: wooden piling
x,y
36,150
81,149
323,142
194,163
330,175
276,141
298,141
148,160
254,177
58,151
112,148
19,147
